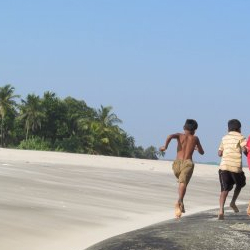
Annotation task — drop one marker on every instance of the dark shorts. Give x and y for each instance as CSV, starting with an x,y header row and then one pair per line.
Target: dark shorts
x,y
228,179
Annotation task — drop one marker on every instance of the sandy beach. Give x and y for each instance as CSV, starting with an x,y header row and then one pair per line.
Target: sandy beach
x,y
62,201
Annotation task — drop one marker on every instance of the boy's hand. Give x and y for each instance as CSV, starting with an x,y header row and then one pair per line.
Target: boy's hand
x,y
220,153
162,148
245,150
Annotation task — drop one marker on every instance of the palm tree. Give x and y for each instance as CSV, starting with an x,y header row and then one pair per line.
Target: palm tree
x,y
55,121
78,115
106,131
7,103
106,118
151,153
32,113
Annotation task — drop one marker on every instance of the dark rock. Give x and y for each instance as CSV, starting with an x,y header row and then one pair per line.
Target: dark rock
x,y
202,231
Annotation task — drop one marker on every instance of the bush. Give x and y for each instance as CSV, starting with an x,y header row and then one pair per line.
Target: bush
x,y
71,145
35,143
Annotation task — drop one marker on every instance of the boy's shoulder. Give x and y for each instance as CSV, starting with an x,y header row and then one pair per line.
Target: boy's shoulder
x,y
233,135
189,135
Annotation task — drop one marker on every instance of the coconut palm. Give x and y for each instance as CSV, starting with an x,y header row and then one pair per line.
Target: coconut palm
x,y
106,118
106,132
32,113
7,104
55,123
78,115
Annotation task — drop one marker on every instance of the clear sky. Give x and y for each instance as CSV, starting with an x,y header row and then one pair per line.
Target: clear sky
x,y
157,62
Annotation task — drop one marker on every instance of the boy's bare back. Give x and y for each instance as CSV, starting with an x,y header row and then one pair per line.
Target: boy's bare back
x,y
187,143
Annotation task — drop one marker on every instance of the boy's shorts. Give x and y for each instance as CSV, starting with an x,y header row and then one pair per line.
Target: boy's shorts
x,y
228,179
183,170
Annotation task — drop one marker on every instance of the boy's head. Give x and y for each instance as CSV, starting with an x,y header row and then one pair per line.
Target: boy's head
x,y
191,125
234,125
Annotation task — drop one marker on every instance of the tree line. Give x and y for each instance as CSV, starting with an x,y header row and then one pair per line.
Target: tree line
x,y
50,123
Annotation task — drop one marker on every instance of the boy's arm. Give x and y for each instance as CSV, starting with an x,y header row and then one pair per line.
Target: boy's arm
x,y
199,147
243,145
245,151
169,138
248,146
220,151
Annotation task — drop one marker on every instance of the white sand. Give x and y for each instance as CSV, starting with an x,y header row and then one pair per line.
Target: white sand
x,y
61,201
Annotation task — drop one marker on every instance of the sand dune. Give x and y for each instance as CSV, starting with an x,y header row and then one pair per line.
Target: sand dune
x,y
52,201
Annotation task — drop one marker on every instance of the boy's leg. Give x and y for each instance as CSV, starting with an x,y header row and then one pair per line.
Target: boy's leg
x,y
226,183
186,169
234,198
182,192
177,171
179,206
240,181
223,197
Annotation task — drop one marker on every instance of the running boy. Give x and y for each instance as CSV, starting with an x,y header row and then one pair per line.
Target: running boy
x,y
183,166
230,170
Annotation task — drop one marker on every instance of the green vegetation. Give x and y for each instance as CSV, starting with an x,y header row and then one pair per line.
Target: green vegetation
x,y
69,125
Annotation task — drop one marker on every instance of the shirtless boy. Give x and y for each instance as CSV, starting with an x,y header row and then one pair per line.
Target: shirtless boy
x,y
183,166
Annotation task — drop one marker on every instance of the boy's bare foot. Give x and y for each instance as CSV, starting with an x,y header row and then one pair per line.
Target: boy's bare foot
x,y
234,207
248,209
177,210
221,217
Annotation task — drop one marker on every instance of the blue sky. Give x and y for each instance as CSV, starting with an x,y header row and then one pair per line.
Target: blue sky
x,y
156,62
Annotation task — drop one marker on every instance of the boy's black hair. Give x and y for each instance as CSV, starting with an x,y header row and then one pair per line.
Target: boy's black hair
x,y
191,125
234,125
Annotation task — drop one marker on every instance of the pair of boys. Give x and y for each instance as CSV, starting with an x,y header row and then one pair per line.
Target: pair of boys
x,y
230,171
